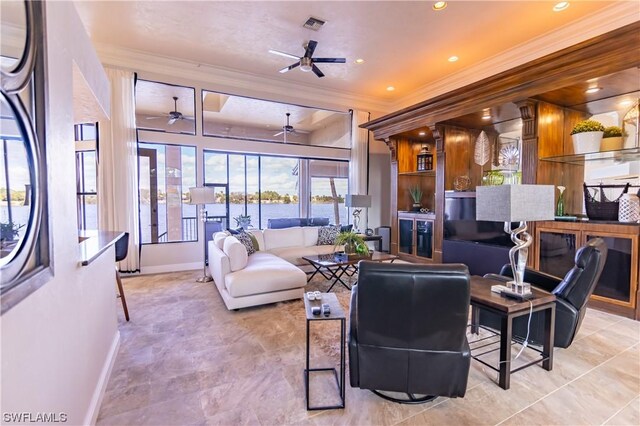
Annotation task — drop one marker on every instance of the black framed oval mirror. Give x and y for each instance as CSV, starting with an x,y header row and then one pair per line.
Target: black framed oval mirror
x,y
17,44
20,210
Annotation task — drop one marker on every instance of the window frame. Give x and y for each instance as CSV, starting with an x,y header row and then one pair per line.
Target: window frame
x,y
301,182
197,220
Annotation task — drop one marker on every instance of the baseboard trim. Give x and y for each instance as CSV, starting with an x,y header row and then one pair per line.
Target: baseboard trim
x,y
96,401
176,267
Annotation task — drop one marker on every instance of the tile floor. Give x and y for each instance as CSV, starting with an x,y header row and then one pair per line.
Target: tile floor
x,y
184,359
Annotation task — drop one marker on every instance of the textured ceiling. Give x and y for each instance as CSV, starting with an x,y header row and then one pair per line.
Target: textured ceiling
x,y
404,43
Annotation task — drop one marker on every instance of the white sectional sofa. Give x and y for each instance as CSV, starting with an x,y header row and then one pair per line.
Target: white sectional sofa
x,y
269,275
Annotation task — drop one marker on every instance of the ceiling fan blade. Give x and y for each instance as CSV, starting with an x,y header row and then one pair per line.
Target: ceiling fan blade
x,y
278,134
311,47
330,60
317,71
153,118
290,67
286,55
171,121
188,118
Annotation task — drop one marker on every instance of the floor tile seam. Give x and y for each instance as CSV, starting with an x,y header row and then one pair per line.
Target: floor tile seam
x,y
431,406
565,384
621,409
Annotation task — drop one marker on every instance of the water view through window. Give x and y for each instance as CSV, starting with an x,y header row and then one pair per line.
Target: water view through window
x,y
265,187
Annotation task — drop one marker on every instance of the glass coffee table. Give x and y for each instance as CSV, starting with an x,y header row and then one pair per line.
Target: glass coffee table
x,y
333,268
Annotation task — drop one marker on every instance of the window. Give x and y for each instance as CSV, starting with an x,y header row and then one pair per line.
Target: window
x,y
266,187
165,107
166,174
86,175
329,186
239,117
279,188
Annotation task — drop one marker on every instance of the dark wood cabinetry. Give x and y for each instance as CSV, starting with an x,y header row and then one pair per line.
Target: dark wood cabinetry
x,y
544,98
618,287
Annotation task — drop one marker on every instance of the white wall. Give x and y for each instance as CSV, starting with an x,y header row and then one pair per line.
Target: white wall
x,y
58,343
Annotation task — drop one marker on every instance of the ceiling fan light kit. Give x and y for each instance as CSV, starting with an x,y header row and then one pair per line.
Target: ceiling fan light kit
x,y
307,62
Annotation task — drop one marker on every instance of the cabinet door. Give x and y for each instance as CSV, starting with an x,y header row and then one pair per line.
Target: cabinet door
x,y
556,251
405,236
617,283
424,238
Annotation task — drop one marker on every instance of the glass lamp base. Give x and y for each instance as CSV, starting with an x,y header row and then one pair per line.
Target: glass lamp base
x,y
518,291
204,279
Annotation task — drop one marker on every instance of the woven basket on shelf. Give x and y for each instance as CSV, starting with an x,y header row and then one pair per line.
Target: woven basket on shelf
x,y
603,209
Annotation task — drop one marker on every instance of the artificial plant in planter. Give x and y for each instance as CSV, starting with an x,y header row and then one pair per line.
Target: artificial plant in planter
x,y
416,196
587,136
243,221
354,245
612,139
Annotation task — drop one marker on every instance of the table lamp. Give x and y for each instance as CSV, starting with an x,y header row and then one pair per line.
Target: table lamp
x,y
201,196
363,201
516,203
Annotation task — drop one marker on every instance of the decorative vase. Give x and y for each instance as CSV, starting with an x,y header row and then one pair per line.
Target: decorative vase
x,y
560,203
629,210
586,142
610,144
416,207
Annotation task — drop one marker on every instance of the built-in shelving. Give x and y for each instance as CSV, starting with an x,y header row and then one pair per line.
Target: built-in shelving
x,y
431,173
621,155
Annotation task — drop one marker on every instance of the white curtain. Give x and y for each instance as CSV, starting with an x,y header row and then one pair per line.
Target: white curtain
x,y
118,167
359,158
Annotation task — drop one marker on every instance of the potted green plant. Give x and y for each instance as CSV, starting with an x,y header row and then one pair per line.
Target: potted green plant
x,y
612,138
416,196
587,136
354,245
243,221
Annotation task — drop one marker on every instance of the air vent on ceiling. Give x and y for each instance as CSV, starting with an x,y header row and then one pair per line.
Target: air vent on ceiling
x,y
314,23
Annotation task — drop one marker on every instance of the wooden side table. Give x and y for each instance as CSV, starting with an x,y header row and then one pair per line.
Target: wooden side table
x,y
507,309
337,314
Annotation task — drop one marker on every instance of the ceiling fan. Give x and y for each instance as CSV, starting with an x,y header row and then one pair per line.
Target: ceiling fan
x,y
288,129
307,62
174,115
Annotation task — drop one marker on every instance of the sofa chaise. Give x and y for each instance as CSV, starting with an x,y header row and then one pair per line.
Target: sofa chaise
x,y
269,275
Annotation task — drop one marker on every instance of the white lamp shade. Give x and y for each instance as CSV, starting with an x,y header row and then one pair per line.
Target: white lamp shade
x,y
357,200
202,195
515,203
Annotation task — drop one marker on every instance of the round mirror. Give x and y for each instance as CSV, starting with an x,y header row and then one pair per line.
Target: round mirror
x,y
18,184
13,34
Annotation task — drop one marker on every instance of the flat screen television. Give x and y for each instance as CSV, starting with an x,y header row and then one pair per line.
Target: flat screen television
x,y
460,223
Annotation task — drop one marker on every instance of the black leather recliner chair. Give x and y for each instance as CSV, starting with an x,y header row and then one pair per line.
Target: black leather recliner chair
x,y
572,294
408,330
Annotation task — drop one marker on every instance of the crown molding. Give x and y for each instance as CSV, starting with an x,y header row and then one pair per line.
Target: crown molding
x,y
236,82
598,23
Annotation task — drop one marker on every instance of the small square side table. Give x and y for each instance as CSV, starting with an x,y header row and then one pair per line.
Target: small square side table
x,y
337,314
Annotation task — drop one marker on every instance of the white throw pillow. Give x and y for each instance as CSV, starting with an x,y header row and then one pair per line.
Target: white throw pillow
x,y
218,239
285,237
236,252
310,235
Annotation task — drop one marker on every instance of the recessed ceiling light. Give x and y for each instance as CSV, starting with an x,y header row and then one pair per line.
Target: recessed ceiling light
x,y
486,114
626,102
439,5
453,58
593,90
422,133
390,89
486,117
359,61
560,6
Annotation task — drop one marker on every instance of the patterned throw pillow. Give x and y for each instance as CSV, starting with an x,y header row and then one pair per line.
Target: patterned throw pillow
x,y
246,241
327,235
